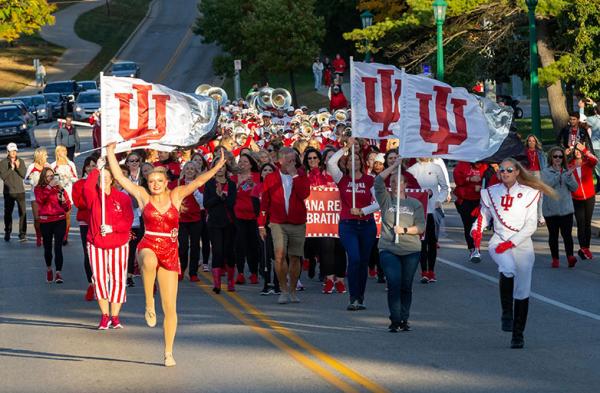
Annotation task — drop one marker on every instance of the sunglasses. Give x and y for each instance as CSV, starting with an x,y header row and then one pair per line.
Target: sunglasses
x,y
558,156
509,170
313,158
133,160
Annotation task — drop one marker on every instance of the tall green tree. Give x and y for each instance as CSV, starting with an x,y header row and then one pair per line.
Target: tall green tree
x,y
283,35
19,17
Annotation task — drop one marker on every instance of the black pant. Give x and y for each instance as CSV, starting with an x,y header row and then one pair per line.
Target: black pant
x,y
9,206
267,255
429,246
583,214
246,245
374,260
189,245
311,252
565,225
83,230
53,230
221,242
138,234
71,153
465,208
332,257
205,240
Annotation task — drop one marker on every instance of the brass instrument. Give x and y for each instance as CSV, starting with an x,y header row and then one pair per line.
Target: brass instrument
x,y
281,99
341,115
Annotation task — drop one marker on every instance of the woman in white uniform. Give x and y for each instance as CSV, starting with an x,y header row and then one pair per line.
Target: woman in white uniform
x,y
512,207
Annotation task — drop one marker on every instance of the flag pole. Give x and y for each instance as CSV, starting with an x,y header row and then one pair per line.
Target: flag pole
x,y
102,186
397,238
352,147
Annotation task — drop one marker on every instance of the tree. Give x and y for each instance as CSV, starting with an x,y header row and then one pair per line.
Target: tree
x,y
488,38
283,35
19,17
340,16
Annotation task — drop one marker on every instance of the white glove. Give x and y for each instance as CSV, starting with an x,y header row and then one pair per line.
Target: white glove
x,y
105,229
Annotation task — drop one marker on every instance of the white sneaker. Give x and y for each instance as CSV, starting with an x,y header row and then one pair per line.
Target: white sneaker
x,y
475,256
294,298
284,298
205,268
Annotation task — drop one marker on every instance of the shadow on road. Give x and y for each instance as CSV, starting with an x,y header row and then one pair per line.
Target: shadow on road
x,y
37,322
23,353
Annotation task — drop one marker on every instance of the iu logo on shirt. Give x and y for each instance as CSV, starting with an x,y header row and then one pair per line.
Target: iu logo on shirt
x,y
141,133
506,201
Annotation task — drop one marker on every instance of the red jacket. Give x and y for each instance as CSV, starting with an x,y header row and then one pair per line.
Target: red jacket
x,y
338,101
119,214
318,177
272,203
586,181
83,216
50,210
244,208
465,188
339,65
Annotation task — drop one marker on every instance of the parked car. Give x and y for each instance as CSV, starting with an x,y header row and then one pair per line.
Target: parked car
x,y
87,85
126,69
13,125
43,111
27,115
86,104
68,89
57,103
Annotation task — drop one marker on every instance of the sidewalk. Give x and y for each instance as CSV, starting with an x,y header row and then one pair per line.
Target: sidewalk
x,y
78,52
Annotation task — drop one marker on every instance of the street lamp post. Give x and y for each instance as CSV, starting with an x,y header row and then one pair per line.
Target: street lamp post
x,y
533,70
367,21
439,12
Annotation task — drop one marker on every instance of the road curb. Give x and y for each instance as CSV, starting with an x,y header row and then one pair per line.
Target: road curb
x,y
128,40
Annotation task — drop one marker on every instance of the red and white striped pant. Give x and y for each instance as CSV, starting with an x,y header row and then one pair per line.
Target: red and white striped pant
x,y
109,270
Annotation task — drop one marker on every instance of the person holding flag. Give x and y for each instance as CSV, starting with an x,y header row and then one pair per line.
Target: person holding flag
x,y
157,251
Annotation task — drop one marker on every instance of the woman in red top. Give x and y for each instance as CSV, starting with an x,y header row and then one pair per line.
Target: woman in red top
x,y
83,219
168,160
357,228
246,214
54,204
158,249
584,198
190,224
468,178
108,242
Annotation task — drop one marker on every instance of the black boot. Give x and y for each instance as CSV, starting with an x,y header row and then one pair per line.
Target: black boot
x,y
506,300
521,309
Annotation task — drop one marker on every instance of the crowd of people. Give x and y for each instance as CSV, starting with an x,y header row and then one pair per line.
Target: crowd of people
x,y
235,207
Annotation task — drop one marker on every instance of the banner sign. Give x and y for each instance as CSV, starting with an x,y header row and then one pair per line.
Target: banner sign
x,y
431,118
137,114
324,205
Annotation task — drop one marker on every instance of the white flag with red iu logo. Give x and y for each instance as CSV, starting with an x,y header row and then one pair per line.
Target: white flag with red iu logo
x,y
137,114
431,118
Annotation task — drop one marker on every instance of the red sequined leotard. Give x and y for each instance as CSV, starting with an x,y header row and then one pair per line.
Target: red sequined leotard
x,y
161,235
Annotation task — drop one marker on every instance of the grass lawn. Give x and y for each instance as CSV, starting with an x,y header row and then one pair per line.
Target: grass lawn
x,y
304,88
108,32
16,62
548,133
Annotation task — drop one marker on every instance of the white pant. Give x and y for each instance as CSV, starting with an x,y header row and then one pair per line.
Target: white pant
x,y
516,262
109,270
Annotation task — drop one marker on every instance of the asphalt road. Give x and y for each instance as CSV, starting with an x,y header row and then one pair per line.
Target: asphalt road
x,y
244,342
166,49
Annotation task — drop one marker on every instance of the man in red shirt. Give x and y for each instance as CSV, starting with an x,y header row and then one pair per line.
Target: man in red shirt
x,y
282,205
339,67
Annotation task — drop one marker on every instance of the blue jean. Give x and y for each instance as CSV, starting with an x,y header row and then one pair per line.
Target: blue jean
x,y
399,272
317,78
358,237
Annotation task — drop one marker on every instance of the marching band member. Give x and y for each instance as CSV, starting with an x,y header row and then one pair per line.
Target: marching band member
x,y
512,207
108,243
158,249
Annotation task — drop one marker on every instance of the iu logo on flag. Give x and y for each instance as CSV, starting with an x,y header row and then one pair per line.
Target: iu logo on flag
x,y
141,134
442,137
390,112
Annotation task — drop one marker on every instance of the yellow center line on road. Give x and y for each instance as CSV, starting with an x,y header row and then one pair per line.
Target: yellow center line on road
x,y
268,335
175,57
325,358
